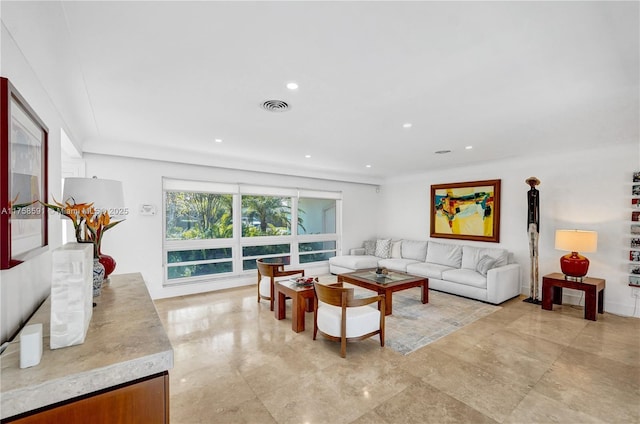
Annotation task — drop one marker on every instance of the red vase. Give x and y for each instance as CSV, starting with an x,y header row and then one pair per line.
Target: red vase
x,y
574,265
109,264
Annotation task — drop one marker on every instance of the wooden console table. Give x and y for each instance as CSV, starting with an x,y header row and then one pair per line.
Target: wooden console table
x,y
593,288
120,374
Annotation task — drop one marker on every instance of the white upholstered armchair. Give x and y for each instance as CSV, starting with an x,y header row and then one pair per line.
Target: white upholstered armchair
x,y
340,316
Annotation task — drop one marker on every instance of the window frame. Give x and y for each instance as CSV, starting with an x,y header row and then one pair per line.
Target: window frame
x,y
238,242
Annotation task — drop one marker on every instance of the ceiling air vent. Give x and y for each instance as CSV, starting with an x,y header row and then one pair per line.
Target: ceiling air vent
x,y
275,106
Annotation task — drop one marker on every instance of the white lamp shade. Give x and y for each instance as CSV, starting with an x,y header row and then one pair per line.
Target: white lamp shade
x,y
106,195
576,240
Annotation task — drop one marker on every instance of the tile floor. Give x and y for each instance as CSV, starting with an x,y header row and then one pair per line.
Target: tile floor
x,y
234,363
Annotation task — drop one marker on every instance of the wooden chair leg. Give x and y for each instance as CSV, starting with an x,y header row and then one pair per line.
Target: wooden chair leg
x,y
272,296
343,328
315,317
259,279
382,313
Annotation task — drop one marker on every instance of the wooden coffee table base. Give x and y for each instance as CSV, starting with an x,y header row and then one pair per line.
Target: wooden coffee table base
x,y
389,288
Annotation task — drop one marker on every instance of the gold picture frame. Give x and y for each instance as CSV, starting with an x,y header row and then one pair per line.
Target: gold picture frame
x,y
466,211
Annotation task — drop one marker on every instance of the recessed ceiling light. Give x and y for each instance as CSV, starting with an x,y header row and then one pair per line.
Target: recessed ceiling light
x,y
307,156
368,166
442,152
407,125
469,147
292,86
218,140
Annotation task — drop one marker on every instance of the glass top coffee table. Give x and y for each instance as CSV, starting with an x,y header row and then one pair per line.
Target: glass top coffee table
x,y
386,284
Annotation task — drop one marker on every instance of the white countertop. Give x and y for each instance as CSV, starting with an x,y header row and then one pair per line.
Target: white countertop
x,y
125,341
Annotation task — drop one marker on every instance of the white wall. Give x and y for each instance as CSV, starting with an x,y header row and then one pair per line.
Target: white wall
x,y
584,190
136,244
24,287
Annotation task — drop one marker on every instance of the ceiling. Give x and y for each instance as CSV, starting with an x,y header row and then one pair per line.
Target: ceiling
x,y
163,80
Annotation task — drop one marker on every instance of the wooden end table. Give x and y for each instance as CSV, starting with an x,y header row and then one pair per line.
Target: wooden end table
x,y
302,301
593,288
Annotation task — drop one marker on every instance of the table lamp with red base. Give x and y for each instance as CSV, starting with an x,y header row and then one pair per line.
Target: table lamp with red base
x,y
573,265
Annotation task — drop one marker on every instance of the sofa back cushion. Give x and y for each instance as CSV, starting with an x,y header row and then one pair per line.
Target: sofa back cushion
x,y
414,249
471,255
444,254
396,249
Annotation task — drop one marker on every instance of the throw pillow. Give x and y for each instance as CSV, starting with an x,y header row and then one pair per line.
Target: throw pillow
x,y
396,249
485,263
383,248
369,247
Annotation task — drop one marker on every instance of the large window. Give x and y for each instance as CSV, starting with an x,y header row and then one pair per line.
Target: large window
x,y
219,230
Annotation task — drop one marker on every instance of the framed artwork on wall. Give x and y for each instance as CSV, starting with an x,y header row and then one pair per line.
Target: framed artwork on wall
x,y
23,180
466,211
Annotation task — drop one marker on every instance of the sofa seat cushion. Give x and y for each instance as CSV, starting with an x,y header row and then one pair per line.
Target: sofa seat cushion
x,y
429,270
397,264
414,249
355,261
471,255
444,254
467,277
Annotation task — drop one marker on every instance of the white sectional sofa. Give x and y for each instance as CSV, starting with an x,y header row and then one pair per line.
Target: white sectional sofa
x,y
486,274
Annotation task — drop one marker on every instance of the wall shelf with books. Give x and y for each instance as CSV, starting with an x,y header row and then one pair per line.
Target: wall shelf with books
x,y
634,253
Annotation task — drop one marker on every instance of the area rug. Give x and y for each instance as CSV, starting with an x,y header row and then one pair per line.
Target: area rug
x,y
414,325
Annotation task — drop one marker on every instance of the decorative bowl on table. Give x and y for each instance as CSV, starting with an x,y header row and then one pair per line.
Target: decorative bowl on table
x,y
305,281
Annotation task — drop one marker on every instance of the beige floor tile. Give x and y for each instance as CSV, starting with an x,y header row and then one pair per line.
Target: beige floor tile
x,y
370,417
235,363
536,408
516,357
600,387
422,403
560,327
611,338
484,391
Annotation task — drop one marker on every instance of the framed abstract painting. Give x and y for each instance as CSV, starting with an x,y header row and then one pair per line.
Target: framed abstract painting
x,y
466,211
23,181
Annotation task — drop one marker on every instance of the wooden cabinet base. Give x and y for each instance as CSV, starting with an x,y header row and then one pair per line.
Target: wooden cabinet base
x,y
141,401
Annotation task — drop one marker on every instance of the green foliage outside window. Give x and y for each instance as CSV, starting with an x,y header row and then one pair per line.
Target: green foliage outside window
x,y
266,216
197,216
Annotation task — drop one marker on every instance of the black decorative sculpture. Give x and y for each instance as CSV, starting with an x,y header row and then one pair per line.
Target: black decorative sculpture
x,y
533,229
